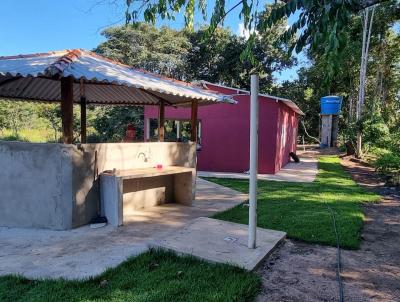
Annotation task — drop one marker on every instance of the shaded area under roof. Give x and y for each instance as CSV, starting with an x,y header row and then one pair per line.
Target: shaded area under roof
x,y
37,77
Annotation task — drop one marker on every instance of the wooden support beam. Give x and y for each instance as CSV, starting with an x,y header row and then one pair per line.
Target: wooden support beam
x,y
67,109
193,134
83,120
83,112
161,121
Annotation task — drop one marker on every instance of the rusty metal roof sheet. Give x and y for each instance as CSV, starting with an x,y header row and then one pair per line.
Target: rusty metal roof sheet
x,y
36,77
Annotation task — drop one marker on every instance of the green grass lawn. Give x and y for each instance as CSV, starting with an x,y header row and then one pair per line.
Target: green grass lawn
x,y
152,276
300,209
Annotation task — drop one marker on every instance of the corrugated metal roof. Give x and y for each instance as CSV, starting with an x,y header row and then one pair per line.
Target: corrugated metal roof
x,y
36,77
287,102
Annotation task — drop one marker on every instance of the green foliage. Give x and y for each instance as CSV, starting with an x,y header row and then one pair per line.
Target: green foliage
x,y
338,74
111,122
394,144
52,114
141,45
375,132
151,276
300,209
389,164
188,56
319,22
15,115
13,137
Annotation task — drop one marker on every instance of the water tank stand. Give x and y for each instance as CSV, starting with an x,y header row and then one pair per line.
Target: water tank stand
x,y
329,130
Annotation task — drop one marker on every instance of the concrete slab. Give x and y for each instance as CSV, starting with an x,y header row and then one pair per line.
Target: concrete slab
x,y
305,171
221,241
85,252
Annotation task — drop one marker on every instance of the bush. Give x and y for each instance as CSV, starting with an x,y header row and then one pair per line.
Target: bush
x,y
13,137
378,152
389,164
93,138
394,144
376,133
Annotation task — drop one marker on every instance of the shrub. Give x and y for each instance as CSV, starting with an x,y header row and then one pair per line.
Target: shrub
x,y
389,164
13,137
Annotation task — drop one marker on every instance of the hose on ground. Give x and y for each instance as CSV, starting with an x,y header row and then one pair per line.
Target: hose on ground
x,y
338,265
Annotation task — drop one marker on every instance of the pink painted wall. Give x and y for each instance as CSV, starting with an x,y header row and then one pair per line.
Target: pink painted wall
x,y
225,133
286,141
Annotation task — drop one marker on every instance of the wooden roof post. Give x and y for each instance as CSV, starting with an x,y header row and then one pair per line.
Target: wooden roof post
x,y
83,112
67,109
161,121
193,123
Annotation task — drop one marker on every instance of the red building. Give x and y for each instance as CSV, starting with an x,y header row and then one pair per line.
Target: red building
x,y
224,131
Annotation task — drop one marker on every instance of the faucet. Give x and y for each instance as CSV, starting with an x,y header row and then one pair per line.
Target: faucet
x,y
144,156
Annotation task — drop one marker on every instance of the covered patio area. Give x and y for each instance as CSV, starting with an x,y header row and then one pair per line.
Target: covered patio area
x,y
58,186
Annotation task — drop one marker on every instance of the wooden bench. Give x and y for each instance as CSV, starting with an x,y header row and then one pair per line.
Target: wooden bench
x,y
126,190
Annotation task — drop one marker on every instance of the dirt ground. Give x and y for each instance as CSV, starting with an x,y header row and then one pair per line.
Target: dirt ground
x,y
305,272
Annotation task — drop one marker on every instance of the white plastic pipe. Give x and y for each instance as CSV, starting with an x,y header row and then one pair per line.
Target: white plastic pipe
x,y
178,129
147,131
253,161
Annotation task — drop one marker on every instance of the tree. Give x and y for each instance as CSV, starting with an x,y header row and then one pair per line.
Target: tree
x,y
111,122
381,93
142,45
15,115
318,21
52,114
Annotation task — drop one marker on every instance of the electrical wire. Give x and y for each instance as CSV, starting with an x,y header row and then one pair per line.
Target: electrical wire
x,y
338,265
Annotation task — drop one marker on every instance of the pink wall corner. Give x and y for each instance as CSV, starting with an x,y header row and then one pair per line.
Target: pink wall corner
x,y
267,128
286,135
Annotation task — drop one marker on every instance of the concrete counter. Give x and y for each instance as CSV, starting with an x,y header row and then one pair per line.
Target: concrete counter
x,y
124,191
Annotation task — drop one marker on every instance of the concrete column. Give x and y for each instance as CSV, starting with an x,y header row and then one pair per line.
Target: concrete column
x,y
326,130
253,161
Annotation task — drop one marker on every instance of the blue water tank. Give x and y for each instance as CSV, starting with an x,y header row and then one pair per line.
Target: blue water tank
x,y
331,104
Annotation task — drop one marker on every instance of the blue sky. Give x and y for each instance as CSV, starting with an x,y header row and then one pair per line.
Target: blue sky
x,y
28,26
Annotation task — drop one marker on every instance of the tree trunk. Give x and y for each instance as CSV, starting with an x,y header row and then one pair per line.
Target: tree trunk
x,y
367,29
359,145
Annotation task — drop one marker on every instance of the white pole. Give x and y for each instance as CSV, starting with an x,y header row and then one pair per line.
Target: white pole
x,y
178,129
147,133
253,161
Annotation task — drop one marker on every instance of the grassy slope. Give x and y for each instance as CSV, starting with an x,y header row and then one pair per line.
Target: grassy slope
x,y
300,208
152,276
